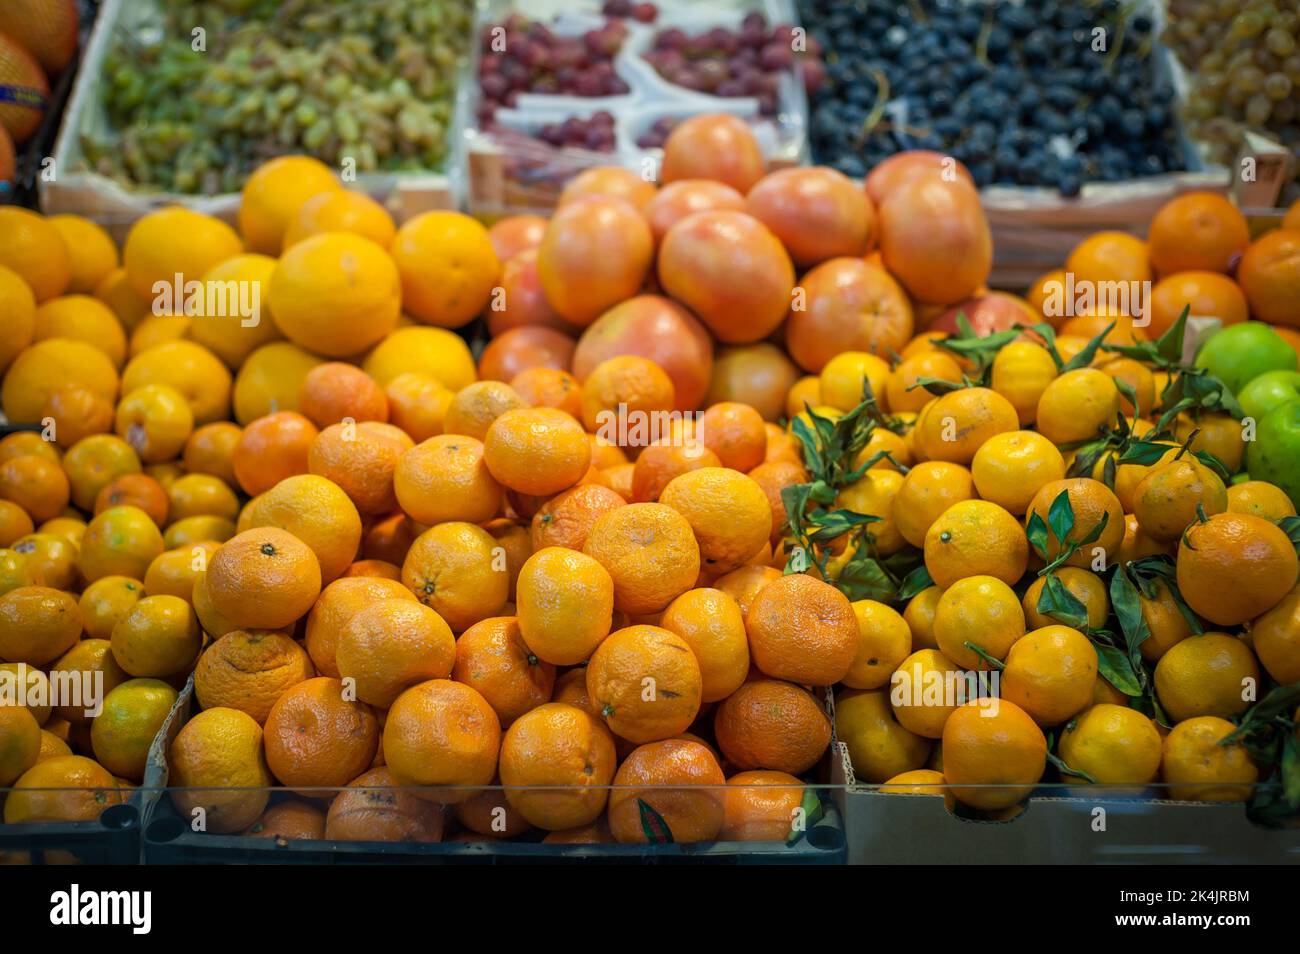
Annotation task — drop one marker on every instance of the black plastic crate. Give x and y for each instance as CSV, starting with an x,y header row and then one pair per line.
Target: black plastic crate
x,y
112,840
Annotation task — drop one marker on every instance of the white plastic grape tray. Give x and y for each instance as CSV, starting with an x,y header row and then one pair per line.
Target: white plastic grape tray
x,y
108,202
491,191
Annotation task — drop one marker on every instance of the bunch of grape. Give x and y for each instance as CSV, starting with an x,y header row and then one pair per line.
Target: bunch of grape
x,y
519,55
1244,57
747,62
657,134
1015,91
595,133
370,81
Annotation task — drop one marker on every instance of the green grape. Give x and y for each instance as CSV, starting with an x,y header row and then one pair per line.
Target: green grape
x,y
1277,86
1279,42
1258,109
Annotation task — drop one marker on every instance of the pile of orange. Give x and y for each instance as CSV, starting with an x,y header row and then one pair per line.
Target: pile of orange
x,y
554,588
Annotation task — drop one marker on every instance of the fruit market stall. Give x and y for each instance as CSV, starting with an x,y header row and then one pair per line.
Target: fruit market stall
x,y
725,508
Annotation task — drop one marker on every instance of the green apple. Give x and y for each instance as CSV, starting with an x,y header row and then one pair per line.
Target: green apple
x,y
1269,390
1274,454
1240,353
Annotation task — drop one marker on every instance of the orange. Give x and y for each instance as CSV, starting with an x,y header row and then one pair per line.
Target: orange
x,y
537,451
817,213
41,370
270,380
390,538
646,683
662,462
335,293
736,433
1275,637
264,578
492,658
903,393
66,788
1205,294
489,814
154,330
626,386
1091,501
50,559
919,615
884,641
445,478
556,764
1085,586
447,265
316,734
90,659
33,248
566,605
610,181
191,369
972,538
82,318
1022,371
249,671
14,522
772,478
437,352
71,529
649,551
1109,257
1139,377
929,489
26,687
727,511
418,404
993,754
1211,674
953,427
131,716
692,812
803,630
1050,674
120,541
943,266
519,349
457,570
879,746
212,622
760,806
155,420
1269,274
516,233
1234,567
474,408
361,459
1165,621
1218,433
314,510
173,572
1043,288
201,495
340,210
1113,744
925,690
389,646
745,584
77,412
272,448
175,241
844,377
338,603
159,638
92,256
366,811
620,481
1198,767
1171,496
515,543
713,146
380,569
35,484
683,197
334,393
1077,405
983,611
234,320
1196,231
549,387
293,820
106,601
20,743
115,291
274,194
1009,469
759,375
442,733
217,765
52,746
135,490
712,624
567,518
20,308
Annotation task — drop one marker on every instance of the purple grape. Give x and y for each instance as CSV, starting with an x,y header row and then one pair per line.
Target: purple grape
x,y
776,56
645,13
814,73
729,88
754,21
711,73
617,86
672,39
617,8
494,86
588,84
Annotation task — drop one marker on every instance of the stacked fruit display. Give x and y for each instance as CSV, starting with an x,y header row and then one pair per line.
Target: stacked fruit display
x,y
1245,64
370,81
1050,94
735,439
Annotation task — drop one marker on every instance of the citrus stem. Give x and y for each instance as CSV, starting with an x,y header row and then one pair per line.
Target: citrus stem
x,y
993,661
